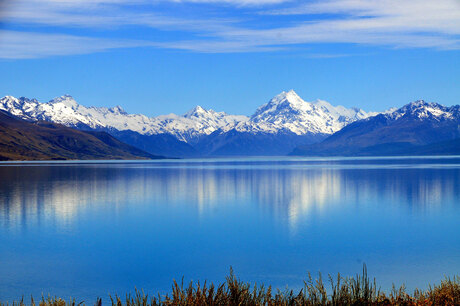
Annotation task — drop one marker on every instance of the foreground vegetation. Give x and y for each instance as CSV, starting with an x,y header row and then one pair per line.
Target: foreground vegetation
x,y
358,290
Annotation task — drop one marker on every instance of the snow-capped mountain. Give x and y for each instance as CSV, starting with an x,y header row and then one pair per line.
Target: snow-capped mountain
x,y
65,110
285,114
411,129
287,111
421,110
197,123
279,126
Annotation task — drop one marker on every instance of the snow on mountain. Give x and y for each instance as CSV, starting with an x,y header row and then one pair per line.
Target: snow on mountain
x,y
65,110
422,110
198,122
418,128
285,112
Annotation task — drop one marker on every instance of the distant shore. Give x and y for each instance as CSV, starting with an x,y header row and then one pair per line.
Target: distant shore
x,y
338,290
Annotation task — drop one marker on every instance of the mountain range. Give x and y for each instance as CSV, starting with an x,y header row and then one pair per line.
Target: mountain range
x,y
286,124
275,128
418,128
41,140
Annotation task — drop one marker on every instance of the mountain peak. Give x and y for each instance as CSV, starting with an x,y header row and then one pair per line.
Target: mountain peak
x,y
290,96
290,112
66,99
421,110
419,102
197,111
292,93
286,101
8,98
118,109
420,105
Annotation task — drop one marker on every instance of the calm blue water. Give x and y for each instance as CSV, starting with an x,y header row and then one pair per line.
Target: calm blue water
x,y
89,229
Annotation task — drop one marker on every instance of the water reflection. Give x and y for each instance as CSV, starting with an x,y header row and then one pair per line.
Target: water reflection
x,y
57,193
82,229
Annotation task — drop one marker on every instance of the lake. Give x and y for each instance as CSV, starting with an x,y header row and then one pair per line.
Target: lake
x,y
87,229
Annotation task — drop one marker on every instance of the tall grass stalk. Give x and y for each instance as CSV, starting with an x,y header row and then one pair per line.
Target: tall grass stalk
x,y
358,290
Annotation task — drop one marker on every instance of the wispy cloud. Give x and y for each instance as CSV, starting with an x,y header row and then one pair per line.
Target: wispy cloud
x,y
236,2
441,16
20,45
105,14
390,23
27,45
394,23
344,31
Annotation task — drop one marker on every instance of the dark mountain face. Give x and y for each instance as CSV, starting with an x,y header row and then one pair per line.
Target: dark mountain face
x,y
448,147
161,144
23,140
399,133
240,143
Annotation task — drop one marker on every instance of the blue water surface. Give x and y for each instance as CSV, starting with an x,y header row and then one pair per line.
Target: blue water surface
x,y
88,229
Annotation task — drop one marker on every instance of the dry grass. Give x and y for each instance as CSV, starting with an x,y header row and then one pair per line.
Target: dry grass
x,y
358,290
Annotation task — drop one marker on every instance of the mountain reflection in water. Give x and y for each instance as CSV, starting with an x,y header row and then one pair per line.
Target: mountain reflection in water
x,y
37,193
84,229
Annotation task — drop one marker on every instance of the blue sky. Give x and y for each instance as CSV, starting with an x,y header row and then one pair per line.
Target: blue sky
x,y
162,56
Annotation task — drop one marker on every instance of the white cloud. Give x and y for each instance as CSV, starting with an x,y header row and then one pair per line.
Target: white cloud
x,y
105,14
216,46
20,45
441,16
390,23
236,2
366,31
394,23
